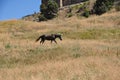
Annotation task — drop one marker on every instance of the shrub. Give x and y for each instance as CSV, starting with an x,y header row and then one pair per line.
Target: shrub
x,y
69,15
8,46
102,6
42,18
117,7
86,13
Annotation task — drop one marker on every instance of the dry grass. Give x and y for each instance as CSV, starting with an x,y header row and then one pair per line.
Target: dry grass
x,y
90,49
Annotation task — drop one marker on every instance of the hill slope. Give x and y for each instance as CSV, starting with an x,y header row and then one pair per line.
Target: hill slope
x,y
90,49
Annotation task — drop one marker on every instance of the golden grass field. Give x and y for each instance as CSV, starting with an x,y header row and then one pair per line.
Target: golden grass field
x,y
90,49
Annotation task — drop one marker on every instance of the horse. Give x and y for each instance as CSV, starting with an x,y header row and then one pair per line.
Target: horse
x,y
51,37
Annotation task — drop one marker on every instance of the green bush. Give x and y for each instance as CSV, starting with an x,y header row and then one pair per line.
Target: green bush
x,y
8,46
117,7
69,15
86,13
42,18
102,6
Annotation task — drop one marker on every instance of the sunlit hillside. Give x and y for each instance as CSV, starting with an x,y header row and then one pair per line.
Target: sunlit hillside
x,y
90,49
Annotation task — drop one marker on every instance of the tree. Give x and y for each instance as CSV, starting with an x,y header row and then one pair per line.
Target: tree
x,y
102,6
43,8
50,9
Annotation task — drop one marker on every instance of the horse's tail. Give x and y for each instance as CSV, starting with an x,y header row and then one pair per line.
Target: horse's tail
x,y
39,38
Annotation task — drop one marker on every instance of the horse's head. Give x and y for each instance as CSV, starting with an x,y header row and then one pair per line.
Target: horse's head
x,y
58,36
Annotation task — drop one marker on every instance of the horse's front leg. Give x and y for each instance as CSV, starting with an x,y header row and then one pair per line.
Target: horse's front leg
x,y
51,41
43,41
55,41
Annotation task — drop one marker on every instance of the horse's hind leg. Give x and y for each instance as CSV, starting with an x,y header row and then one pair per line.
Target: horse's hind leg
x,y
42,41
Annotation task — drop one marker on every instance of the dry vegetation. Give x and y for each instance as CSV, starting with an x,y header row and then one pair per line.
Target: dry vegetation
x,y
90,49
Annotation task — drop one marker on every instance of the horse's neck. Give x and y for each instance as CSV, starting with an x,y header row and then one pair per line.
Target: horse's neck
x,y
56,36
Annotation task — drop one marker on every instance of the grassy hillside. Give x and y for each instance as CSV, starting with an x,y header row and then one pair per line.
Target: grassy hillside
x,y
90,49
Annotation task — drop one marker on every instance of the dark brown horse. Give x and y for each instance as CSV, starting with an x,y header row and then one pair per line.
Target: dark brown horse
x,y
50,37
